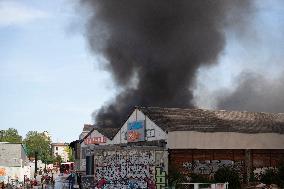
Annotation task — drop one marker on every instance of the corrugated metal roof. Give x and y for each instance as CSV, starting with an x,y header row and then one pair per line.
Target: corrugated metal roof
x,y
179,119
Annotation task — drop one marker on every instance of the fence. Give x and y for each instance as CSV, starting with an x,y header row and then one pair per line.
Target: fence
x,y
203,185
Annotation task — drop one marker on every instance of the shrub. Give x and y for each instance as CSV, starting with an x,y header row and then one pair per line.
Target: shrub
x,y
199,178
175,176
225,174
281,171
270,176
274,176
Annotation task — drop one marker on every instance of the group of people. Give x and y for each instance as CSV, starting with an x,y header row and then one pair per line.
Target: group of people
x,y
74,178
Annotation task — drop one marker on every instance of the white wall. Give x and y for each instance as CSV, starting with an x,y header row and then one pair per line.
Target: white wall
x,y
61,151
224,140
137,115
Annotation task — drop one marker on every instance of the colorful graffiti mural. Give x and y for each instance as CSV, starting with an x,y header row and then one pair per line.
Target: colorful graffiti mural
x,y
160,178
127,169
2,174
2,171
16,173
209,167
135,131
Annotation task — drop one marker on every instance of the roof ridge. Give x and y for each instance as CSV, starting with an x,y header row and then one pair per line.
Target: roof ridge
x,y
211,110
216,120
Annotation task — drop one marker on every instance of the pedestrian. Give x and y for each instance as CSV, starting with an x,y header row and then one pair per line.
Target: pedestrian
x,y
79,180
71,179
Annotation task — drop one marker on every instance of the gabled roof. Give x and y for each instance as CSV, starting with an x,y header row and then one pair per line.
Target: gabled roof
x,y
106,131
88,127
178,119
59,144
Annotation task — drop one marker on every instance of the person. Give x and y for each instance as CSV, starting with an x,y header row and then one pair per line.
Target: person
x,y
79,180
71,179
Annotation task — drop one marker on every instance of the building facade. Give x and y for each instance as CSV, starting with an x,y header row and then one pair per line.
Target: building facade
x,y
13,162
59,149
202,141
140,152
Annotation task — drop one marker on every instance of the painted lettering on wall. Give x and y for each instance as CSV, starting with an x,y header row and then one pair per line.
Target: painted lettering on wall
x,y
95,140
150,133
135,131
126,169
160,178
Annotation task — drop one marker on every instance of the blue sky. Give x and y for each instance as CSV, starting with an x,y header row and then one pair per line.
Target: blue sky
x,y
49,81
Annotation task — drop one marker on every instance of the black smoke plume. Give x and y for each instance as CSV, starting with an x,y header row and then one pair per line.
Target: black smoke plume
x,y
153,48
254,92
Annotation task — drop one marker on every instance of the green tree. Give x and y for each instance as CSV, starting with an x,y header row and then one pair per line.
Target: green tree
x,y
57,160
226,174
270,176
40,143
281,172
175,176
10,135
70,153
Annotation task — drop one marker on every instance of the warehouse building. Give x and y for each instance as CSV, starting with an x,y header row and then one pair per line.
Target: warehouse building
x,y
200,141
192,140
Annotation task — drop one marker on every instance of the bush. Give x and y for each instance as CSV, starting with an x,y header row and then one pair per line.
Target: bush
x,y
225,174
270,177
274,176
175,176
281,171
199,178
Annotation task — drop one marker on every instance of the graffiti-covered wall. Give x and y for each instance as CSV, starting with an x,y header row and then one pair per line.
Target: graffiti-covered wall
x,y
130,130
131,168
207,162
13,173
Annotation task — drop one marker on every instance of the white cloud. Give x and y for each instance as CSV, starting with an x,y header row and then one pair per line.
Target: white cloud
x,y
13,13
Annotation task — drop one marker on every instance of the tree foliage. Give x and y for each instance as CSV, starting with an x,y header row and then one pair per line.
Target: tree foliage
x,y
57,159
281,172
226,174
175,176
40,143
270,177
10,135
70,153
274,176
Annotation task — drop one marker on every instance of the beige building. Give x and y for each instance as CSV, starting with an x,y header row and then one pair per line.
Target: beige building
x,y
59,149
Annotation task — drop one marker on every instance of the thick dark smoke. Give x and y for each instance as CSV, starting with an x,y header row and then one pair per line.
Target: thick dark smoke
x,y
255,93
160,44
